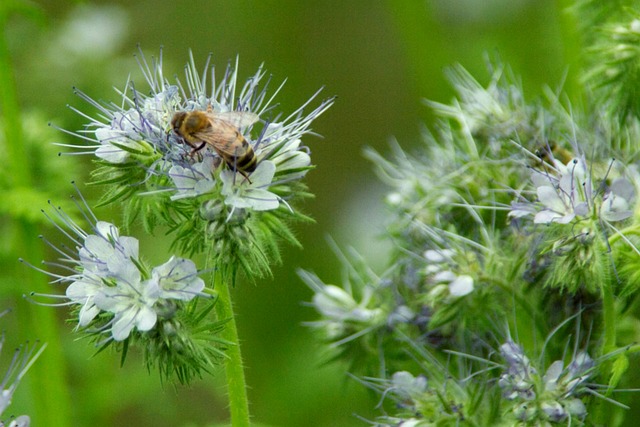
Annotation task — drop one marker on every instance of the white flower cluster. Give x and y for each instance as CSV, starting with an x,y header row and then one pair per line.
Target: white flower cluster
x,y
141,132
111,278
571,194
129,130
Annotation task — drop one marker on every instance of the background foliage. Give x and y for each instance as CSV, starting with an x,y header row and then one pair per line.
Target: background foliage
x,y
380,58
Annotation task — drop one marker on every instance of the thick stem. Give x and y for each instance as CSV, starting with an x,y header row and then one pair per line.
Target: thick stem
x,y
603,413
236,385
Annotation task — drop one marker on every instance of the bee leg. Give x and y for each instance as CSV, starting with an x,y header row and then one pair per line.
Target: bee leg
x,y
234,168
194,150
245,176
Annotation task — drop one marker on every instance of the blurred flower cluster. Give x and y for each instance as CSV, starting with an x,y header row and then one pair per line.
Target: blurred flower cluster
x,y
555,396
23,357
515,232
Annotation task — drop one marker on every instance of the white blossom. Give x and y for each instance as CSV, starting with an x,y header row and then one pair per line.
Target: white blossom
x,y
109,277
132,303
569,193
193,180
178,279
254,194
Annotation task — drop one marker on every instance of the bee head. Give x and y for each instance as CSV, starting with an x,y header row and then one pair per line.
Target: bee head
x,y
177,120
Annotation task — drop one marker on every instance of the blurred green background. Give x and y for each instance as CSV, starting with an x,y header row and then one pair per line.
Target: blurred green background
x,y
380,58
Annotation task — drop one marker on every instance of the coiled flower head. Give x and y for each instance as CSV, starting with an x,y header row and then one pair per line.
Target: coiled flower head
x,y
191,179
119,300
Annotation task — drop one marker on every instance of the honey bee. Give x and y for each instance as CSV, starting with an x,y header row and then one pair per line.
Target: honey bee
x,y
221,131
550,151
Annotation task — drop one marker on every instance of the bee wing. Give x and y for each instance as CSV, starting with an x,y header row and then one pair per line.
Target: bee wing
x,y
224,136
237,118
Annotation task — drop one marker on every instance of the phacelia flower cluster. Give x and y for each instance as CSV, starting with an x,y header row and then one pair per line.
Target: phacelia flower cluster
x,y
571,193
112,288
192,175
556,396
576,207
118,299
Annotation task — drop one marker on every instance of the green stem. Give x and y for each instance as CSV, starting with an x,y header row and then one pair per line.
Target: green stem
x,y
608,319
602,413
236,385
633,230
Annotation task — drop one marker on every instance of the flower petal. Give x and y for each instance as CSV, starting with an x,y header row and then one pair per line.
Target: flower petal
x,y
262,200
461,286
178,279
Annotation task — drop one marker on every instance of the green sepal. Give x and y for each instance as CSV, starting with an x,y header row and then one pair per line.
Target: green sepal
x,y
618,368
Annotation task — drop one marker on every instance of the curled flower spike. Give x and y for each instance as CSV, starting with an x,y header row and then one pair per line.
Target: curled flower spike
x,y
581,205
115,293
141,132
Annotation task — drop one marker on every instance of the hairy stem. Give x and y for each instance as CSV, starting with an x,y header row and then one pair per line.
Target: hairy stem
x,y
608,319
236,385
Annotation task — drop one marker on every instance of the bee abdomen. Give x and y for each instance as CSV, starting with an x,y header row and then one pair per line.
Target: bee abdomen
x,y
246,162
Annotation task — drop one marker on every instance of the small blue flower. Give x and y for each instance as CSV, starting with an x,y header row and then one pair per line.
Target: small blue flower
x,y
102,258
122,133
132,303
557,393
178,279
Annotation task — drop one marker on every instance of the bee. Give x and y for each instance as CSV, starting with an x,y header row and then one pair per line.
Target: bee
x,y
550,151
221,131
